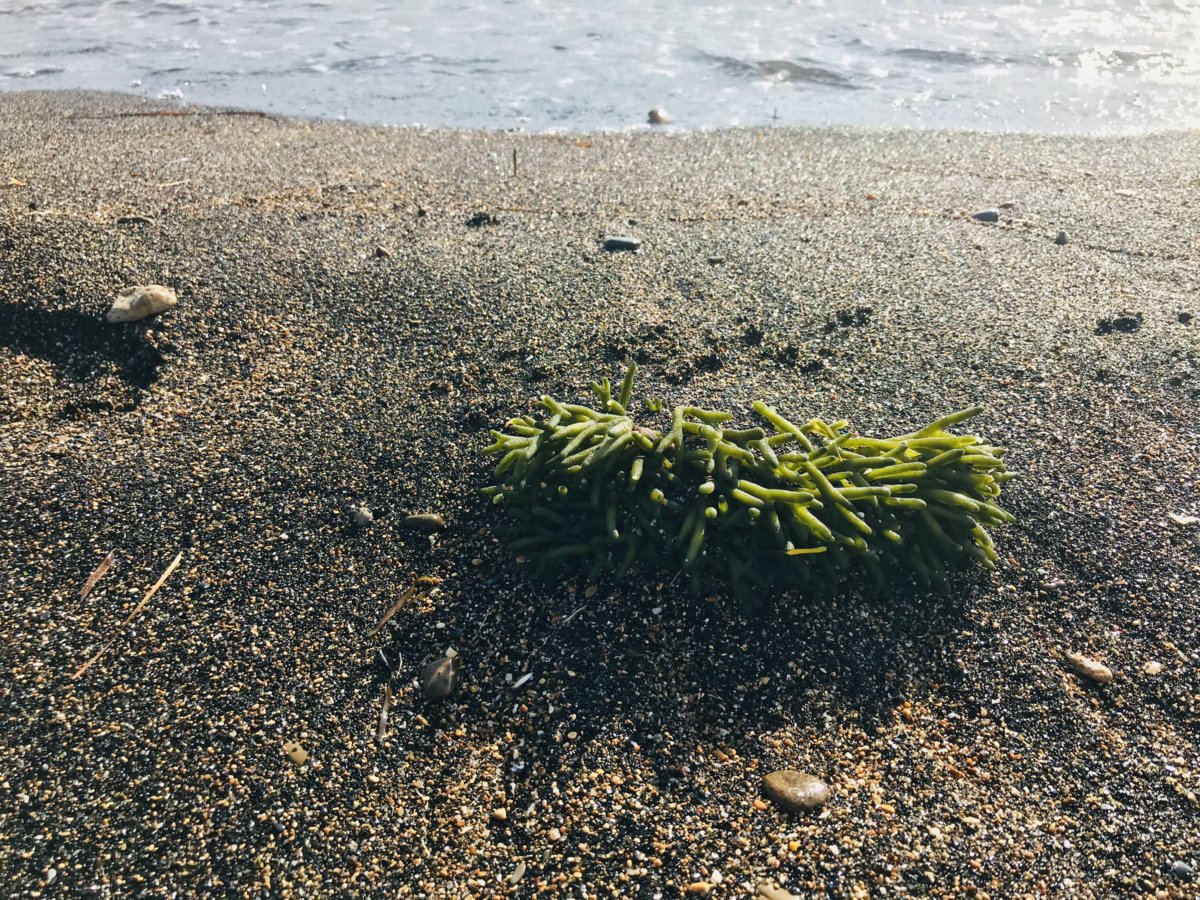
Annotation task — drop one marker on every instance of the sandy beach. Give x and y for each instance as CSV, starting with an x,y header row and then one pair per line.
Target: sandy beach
x,y
359,306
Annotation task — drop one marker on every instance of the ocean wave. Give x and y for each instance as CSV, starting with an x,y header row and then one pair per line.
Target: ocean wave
x,y
802,71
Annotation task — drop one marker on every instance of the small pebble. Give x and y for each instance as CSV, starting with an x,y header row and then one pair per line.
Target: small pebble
x,y
500,814
1181,870
427,522
716,260
795,791
699,887
1152,667
658,116
440,678
383,253
361,515
986,215
1060,238
1185,318
295,752
628,244
554,834
140,302
1087,667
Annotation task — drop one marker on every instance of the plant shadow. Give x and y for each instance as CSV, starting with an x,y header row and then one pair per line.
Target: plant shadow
x,y
657,667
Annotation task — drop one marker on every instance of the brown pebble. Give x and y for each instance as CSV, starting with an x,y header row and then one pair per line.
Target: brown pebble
x,y
500,814
1089,668
383,252
427,522
769,891
295,752
699,887
795,791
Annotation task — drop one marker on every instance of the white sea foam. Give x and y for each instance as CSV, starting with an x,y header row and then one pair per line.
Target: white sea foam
x,y
1086,66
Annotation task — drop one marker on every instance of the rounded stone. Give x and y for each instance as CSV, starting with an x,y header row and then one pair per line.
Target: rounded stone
x,y
440,678
362,515
1182,870
1086,667
616,244
140,302
427,522
986,215
795,791
658,116
1060,238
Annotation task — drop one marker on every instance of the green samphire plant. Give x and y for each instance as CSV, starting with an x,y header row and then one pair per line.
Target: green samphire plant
x,y
777,506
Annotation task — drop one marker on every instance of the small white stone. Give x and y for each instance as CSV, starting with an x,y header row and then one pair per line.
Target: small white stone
x,y
140,302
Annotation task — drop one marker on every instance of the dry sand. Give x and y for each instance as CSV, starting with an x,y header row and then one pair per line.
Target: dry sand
x,y
303,371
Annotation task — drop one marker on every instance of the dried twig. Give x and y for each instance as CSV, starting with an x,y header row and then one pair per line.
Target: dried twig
x,y
99,572
137,609
404,598
180,114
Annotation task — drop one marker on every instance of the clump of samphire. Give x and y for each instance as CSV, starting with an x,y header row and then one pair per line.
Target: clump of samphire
x,y
780,505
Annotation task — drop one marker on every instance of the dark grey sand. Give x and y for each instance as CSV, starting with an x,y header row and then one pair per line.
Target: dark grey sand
x,y
302,372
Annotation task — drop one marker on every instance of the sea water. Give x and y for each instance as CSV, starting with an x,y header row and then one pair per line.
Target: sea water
x,y
1051,66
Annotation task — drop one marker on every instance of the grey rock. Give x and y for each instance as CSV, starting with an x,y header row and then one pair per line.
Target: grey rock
x,y
382,252
716,260
362,515
426,522
440,678
658,116
1060,238
795,791
140,302
617,243
986,215
1181,870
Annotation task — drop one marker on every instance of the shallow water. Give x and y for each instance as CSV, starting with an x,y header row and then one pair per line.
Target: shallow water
x,y
1071,66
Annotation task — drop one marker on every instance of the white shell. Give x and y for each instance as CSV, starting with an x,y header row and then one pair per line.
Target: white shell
x,y
141,301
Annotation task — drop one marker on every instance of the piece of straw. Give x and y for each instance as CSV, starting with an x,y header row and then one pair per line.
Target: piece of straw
x,y
137,609
404,598
97,573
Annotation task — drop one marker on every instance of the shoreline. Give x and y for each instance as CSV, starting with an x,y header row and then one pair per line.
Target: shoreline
x,y
170,107
305,370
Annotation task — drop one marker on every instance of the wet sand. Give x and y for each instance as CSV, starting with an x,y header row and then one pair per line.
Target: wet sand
x,y
345,336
